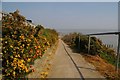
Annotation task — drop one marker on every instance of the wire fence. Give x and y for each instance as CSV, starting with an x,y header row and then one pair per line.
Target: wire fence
x,y
118,45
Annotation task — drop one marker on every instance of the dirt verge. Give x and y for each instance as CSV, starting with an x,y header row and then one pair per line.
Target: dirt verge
x,y
106,69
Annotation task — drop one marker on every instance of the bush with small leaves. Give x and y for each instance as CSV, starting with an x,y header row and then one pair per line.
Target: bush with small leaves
x,y
22,45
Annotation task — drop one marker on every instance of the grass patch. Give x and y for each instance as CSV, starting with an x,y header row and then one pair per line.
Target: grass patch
x,y
109,58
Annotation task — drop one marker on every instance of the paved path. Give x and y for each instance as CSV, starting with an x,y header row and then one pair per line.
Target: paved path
x,y
67,64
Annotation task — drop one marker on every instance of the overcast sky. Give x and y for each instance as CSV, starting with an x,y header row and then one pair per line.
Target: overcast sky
x,y
68,15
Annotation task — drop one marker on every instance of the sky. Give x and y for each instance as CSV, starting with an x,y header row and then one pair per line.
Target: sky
x,y
68,15
0,10
59,0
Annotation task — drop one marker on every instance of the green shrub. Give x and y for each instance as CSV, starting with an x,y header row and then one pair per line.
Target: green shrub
x,y
96,47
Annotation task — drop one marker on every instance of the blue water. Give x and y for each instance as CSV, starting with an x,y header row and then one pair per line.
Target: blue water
x,y
109,40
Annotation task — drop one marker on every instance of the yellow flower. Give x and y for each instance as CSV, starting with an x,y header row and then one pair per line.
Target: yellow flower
x,y
14,67
28,44
23,45
22,50
14,73
8,74
29,60
18,55
15,32
15,58
4,51
21,37
38,46
22,60
11,46
11,56
26,69
29,40
27,47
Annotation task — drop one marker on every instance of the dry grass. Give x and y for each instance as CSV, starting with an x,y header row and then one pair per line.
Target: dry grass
x,y
106,69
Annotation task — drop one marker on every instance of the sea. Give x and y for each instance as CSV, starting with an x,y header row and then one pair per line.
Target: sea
x,y
110,41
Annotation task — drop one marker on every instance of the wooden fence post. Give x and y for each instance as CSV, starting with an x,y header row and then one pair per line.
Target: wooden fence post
x,y
88,43
79,43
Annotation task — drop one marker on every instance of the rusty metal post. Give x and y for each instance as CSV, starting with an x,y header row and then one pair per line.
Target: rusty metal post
x,y
118,49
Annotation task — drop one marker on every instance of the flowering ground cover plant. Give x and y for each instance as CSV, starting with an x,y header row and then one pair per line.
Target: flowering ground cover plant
x,y
22,44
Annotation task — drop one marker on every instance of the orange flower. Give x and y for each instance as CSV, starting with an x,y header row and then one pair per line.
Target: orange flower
x,y
35,47
37,51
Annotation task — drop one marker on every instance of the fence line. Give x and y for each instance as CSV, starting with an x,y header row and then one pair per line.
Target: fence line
x,y
118,47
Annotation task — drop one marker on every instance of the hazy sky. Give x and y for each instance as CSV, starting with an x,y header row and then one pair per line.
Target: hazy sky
x,y
60,0
68,15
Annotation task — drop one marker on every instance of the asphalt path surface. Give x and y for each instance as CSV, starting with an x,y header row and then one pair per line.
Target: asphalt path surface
x,y
68,64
